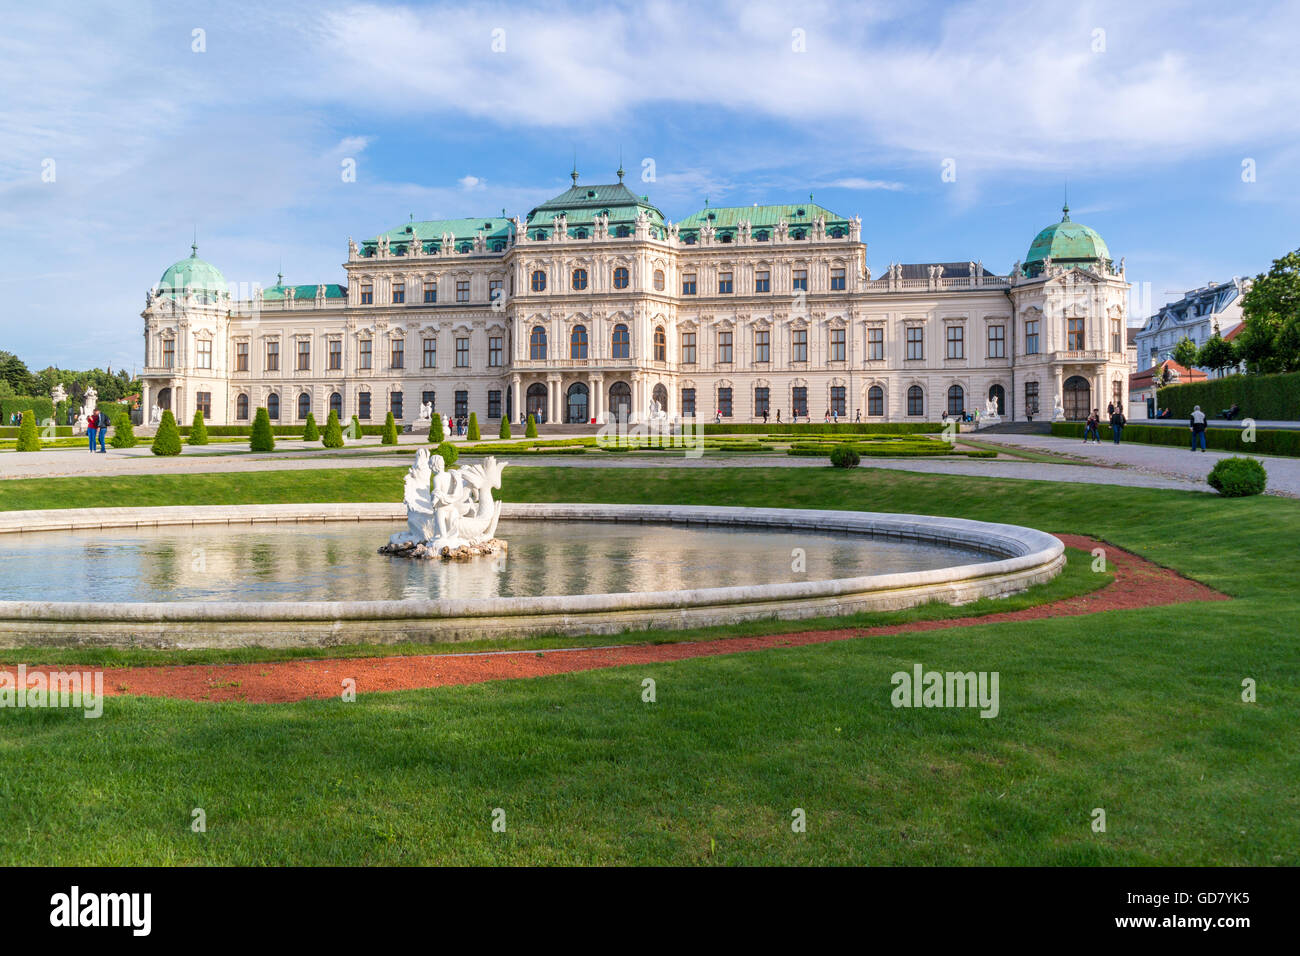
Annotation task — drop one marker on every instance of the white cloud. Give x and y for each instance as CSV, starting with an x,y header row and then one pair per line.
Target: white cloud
x,y
852,182
472,183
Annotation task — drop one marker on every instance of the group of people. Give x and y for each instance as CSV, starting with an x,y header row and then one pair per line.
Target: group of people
x,y
458,426
15,418
1092,428
97,427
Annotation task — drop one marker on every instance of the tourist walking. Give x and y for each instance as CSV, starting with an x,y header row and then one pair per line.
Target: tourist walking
x,y
92,425
1117,423
1091,431
1198,428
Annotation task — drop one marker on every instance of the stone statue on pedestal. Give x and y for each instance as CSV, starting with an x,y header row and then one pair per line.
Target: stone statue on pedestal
x,y
450,514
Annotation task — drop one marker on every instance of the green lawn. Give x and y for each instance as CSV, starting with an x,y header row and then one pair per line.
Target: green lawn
x,y
1137,712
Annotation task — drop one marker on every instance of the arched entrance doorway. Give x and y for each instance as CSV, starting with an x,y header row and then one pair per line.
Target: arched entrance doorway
x,y
576,404
620,401
536,402
164,399
660,395
1077,401
999,395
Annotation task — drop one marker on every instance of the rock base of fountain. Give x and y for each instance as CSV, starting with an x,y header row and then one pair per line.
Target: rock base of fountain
x,y
428,552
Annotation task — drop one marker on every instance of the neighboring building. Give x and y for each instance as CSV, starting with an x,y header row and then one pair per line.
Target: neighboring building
x,y
1142,388
1197,315
595,305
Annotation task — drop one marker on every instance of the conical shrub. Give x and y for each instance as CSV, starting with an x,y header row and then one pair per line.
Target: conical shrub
x,y
436,435
167,440
472,434
390,430
531,430
310,432
198,430
262,438
333,432
123,432
505,428
28,438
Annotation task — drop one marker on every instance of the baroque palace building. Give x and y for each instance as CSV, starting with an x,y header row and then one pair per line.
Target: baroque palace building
x,y
595,305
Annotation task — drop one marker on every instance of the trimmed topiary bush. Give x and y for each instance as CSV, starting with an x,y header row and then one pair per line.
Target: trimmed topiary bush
x,y
28,438
262,438
844,456
448,453
355,429
390,431
309,431
333,431
167,440
1238,477
504,431
436,434
123,432
199,430
531,430
472,433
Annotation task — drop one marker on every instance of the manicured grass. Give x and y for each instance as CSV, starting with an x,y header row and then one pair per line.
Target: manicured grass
x,y
1138,712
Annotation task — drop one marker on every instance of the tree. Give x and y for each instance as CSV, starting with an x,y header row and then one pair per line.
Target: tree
x,y
310,432
435,430
530,431
390,431
167,440
505,428
198,429
1184,353
1217,354
28,438
354,429
333,431
123,432
14,371
1270,341
262,438
471,433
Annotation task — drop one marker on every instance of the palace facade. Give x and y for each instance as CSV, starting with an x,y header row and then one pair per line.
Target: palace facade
x,y
594,305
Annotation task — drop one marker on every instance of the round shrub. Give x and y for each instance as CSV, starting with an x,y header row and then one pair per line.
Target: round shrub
x,y
447,451
1238,477
123,432
436,434
531,430
28,438
505,428
167,440
198,430
310,432
472,433
845,456
333,431
390,430
262,438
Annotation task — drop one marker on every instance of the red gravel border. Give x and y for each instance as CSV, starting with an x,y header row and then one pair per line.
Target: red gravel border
x,y
1137,583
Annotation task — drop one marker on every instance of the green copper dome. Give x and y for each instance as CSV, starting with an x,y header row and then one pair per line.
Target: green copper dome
x,y
1067,242
193,276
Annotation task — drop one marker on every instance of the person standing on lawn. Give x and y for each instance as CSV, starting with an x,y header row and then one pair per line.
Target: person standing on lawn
x,y
92,424
1198,428
1117,423
103,431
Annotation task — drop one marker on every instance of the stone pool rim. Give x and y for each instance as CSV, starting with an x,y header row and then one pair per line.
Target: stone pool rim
x,y
1019,558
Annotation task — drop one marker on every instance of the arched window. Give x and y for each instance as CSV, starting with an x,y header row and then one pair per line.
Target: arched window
x,y
537,343
915,401
622,342
620,277
876,400
241,408
660,395
998,394
578,342
575,404
535,402
539,280
956,400
659,280
273,406
580,279
661,345
620,401
304,406
336,405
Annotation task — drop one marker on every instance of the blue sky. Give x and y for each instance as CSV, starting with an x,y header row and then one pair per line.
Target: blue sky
x,y
1147,110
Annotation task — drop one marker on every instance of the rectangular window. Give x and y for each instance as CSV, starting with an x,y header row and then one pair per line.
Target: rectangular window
x,y
241,356
799,394
688,348
273,356
462,404
956,342
799,345
367,293
724,283
428,398
430,353
336,354
688,283
724,402
1031,398
396,405
398,354
304,355
399,293
169,353
494,353
688,403
762,345
363,353
915,343
915,401
430,291
997,341
496,292
876,401
1074,335
1031,338
837,280
1116,336
839,403
724,347
462,353
203,402
363,406
875,345
462,290
838,348
494,403
763,281
762,402
800,280
1116,392
204,354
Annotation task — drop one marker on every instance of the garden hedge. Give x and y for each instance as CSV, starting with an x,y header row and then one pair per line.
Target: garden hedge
x,y
1266,397
60,431
1267,441
42,406
823,428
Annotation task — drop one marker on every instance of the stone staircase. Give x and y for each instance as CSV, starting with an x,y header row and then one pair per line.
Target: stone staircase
x,y
1017,428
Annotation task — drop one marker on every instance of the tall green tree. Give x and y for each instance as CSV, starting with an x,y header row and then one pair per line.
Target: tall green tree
x,y
1270,341
1184,352
1217,354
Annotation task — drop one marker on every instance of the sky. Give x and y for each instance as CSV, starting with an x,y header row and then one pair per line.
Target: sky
x,y
952,129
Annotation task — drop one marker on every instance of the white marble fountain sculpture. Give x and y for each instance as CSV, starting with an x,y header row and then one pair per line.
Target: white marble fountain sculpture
x,y
450,513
